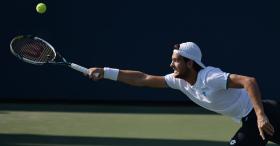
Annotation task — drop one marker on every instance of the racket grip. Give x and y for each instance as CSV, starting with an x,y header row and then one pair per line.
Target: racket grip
x,y
81,69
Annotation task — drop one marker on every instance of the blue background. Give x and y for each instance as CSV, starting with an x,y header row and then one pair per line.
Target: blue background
x,y
239,38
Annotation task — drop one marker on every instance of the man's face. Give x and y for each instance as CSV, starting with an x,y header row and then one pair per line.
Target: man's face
x,y
179,66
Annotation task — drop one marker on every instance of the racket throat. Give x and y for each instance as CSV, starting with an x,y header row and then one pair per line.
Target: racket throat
x,y
60,60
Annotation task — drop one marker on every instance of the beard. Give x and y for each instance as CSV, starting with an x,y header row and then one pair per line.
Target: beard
x,y
181,74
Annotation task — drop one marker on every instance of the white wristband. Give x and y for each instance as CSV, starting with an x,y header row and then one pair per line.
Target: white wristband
x,y
111,73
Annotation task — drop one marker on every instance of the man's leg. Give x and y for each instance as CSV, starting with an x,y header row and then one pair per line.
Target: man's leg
x,y
248,134
272,109
247,137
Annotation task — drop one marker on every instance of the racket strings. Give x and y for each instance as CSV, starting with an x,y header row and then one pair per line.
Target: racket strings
x,y
46,53
29,50
34,50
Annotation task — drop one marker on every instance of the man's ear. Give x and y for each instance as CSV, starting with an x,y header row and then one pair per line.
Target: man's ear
x,y
190,64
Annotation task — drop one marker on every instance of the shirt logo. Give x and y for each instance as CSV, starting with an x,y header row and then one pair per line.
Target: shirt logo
x,y
204,93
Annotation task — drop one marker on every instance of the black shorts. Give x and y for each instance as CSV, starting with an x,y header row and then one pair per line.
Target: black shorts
x,y
248,134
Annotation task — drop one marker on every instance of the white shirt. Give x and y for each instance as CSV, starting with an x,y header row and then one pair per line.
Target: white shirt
x,y
210,91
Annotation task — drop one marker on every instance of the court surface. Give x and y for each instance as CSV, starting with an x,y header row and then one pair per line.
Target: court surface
x,y
112,125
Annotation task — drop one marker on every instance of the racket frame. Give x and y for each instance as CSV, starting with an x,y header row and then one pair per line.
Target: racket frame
x,y
52,60
28,60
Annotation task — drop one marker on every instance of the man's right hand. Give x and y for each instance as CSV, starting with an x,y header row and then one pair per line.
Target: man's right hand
x,y
95,73
264,126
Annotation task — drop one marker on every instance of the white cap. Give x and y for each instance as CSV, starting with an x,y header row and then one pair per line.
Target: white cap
x,y
191,51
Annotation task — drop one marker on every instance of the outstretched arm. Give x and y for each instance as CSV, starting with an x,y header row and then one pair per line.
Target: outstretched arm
x,y
250,84
134,78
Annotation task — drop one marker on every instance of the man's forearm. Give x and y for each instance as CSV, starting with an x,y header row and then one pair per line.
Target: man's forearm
x,y
135,78
264,125
255,95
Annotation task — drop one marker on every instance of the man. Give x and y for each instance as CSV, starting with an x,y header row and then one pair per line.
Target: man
x,y
232,95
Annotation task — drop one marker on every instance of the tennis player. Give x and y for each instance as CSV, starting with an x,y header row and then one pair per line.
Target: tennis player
x,y
232,95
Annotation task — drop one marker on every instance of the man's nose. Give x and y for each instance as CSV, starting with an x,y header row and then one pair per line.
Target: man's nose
x,y
171,64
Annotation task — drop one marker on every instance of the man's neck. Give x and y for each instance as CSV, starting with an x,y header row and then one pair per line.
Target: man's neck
x,y
191,78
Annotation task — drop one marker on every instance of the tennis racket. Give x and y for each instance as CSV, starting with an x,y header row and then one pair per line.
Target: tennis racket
x,y
35,50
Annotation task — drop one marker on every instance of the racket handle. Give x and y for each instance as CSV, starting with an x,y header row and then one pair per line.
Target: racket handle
x,y
81,69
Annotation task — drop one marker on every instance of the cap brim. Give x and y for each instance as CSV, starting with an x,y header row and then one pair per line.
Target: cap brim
x,y
200,64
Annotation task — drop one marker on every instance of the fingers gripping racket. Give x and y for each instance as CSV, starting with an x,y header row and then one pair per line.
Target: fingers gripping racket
x,y
37,51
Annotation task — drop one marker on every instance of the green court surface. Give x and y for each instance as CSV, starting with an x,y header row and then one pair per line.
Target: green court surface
x,y
112,125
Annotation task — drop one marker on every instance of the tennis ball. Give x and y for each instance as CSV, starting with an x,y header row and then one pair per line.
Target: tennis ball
x,y
41,8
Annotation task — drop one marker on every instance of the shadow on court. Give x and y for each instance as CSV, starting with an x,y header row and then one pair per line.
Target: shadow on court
x,y
46,140
26,140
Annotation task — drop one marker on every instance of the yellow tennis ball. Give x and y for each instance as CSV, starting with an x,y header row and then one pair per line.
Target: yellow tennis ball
x,y
41,8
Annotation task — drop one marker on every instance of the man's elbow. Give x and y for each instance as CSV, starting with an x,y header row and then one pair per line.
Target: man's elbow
x,y
141,81
145,81
250,81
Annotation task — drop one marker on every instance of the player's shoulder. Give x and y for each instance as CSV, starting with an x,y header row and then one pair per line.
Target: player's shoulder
x,y
173,82
169,76
209,71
